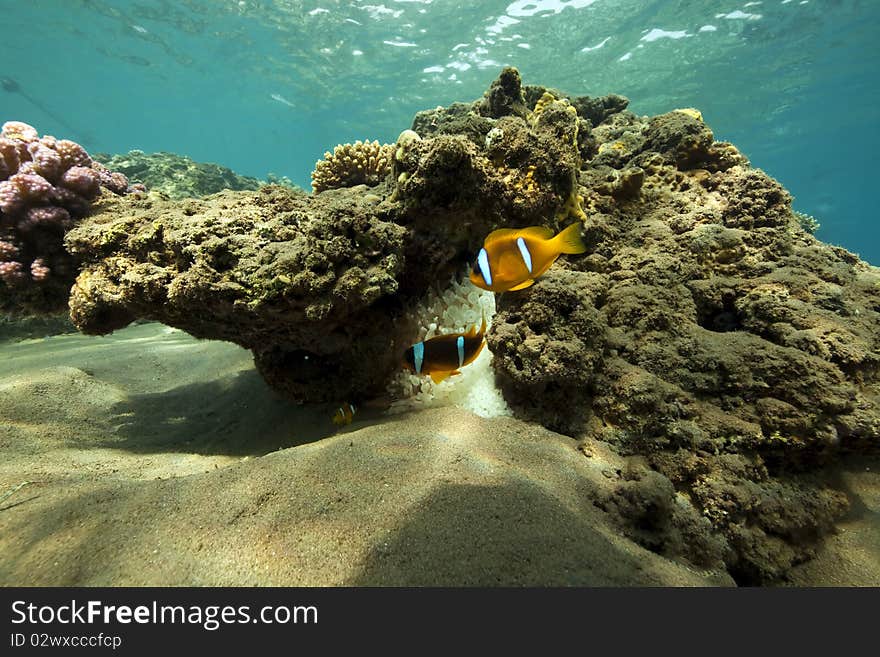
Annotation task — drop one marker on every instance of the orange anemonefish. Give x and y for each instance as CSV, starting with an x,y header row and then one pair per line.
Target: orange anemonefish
x,y
344,415
512,258
444,355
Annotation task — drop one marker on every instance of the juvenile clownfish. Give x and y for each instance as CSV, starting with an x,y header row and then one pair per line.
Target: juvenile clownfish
x,y
443,356
512,258
344,415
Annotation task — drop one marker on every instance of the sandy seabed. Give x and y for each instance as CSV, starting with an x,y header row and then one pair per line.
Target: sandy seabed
x,y
151,458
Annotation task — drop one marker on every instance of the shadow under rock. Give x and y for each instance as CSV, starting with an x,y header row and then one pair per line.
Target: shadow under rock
x,y
513,534
235,416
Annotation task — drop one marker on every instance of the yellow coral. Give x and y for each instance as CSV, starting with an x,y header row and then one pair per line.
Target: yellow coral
x,y
406,139
573,207
543,103
612,146
361,163
691,112
524,183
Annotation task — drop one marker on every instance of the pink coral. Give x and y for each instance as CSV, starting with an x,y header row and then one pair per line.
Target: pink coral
x,y
32,187
46,186
72,154
11,272
9,158
47,161
10,197
45,216
8,250
84,181
39,270
20,131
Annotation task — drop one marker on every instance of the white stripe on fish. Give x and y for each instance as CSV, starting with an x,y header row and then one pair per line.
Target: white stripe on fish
x,y
524,252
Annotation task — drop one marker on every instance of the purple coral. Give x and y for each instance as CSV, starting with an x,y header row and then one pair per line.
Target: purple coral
x,y
84,181
114,181
46,186
46,161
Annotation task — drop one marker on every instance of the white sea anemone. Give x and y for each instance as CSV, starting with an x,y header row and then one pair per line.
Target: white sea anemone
x,y
461,306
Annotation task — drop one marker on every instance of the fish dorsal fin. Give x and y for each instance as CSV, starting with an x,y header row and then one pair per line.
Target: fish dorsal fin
x,y
541,232
500,234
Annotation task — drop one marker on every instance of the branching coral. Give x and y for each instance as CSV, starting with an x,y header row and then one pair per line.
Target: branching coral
x,y
360,163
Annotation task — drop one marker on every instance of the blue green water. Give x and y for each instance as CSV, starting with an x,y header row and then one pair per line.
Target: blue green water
x,y
263,86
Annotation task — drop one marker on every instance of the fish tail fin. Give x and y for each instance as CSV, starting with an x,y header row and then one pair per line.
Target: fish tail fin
x,y
569,240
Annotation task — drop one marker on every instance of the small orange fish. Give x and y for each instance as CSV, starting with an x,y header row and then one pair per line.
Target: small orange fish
x,y
443,356
512,258
344,415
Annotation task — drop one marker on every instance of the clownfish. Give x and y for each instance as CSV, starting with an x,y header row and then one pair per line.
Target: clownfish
x,y
444,355
512,258
344,415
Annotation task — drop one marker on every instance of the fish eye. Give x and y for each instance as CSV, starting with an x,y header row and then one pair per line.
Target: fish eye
x,y
475,267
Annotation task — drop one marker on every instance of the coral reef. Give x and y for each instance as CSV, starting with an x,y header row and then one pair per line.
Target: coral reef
x,y
176,176
360,163
720,350
708,331
307,283
46,186
321,288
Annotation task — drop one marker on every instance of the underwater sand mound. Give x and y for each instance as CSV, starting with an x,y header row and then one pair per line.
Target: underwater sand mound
x,y
478,502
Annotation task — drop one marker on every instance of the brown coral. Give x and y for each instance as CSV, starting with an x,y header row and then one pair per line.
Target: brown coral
x,y
360,163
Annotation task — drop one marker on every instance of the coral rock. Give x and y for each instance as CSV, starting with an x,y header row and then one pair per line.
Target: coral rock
x,y
707,321
306,283
505,96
